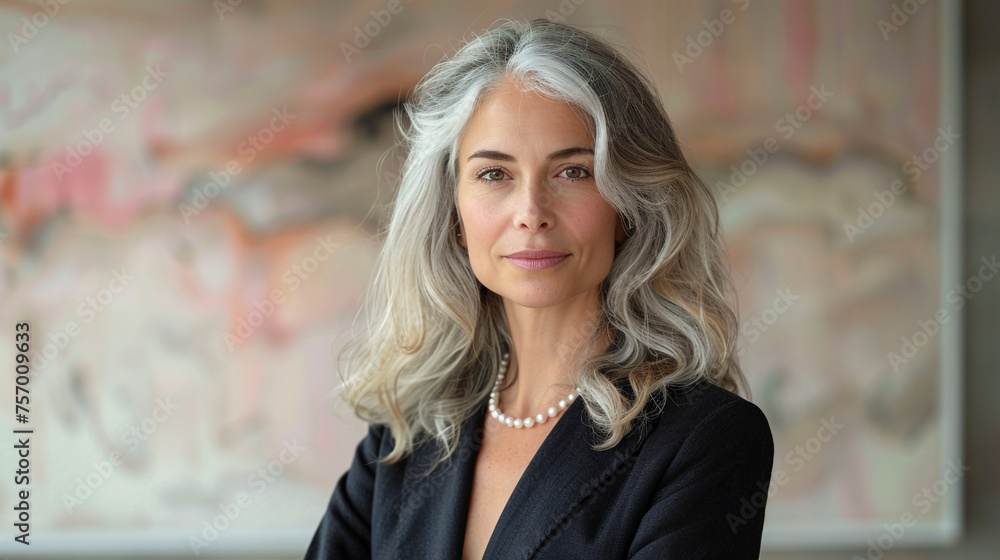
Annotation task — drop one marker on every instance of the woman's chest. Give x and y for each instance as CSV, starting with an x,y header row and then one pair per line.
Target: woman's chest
x,y
499,466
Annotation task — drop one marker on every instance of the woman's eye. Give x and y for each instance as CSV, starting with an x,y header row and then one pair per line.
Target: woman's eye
x,y
494,174
580,173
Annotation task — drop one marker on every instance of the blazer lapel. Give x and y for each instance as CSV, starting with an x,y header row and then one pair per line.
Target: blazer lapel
x,y
431,515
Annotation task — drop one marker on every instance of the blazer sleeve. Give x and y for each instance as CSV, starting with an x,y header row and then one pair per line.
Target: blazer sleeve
x,y
711,500
345,529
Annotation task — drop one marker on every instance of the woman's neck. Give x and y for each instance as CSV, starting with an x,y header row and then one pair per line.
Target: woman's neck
x,y
550,345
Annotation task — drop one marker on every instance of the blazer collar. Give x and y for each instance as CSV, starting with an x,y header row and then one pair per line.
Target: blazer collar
x,y
563,472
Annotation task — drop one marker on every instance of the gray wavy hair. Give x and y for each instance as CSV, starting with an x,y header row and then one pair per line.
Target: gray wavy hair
x,y
434,337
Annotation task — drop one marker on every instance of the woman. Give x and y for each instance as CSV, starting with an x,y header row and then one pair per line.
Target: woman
x,y
549,368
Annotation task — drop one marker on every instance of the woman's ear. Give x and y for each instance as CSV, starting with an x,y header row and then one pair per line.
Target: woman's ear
x,y
461,235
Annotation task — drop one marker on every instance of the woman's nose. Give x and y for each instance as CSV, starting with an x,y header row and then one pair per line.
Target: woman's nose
x,y
534,201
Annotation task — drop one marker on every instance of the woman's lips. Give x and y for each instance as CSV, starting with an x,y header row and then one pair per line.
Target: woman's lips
x,y
536,260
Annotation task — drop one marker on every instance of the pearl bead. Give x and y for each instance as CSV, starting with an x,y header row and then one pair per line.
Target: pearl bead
x,y
509,421
553,412
518,423
528,422
541,418
562,404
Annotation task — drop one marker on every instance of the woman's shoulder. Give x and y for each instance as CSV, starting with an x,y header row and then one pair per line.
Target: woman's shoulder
x,y
705,410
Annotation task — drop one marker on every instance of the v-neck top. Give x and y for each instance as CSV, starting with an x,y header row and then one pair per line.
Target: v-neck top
x,y
694,479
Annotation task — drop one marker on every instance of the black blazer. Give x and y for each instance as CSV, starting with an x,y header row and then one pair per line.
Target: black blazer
x,y
693,485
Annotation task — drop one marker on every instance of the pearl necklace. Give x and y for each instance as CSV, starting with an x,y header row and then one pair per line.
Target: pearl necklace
x,y
529,421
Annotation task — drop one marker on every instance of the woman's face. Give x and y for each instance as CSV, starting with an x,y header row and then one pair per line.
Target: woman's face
x,y
525,183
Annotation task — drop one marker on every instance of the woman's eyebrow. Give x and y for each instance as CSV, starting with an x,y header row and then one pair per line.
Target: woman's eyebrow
x,y
493,154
